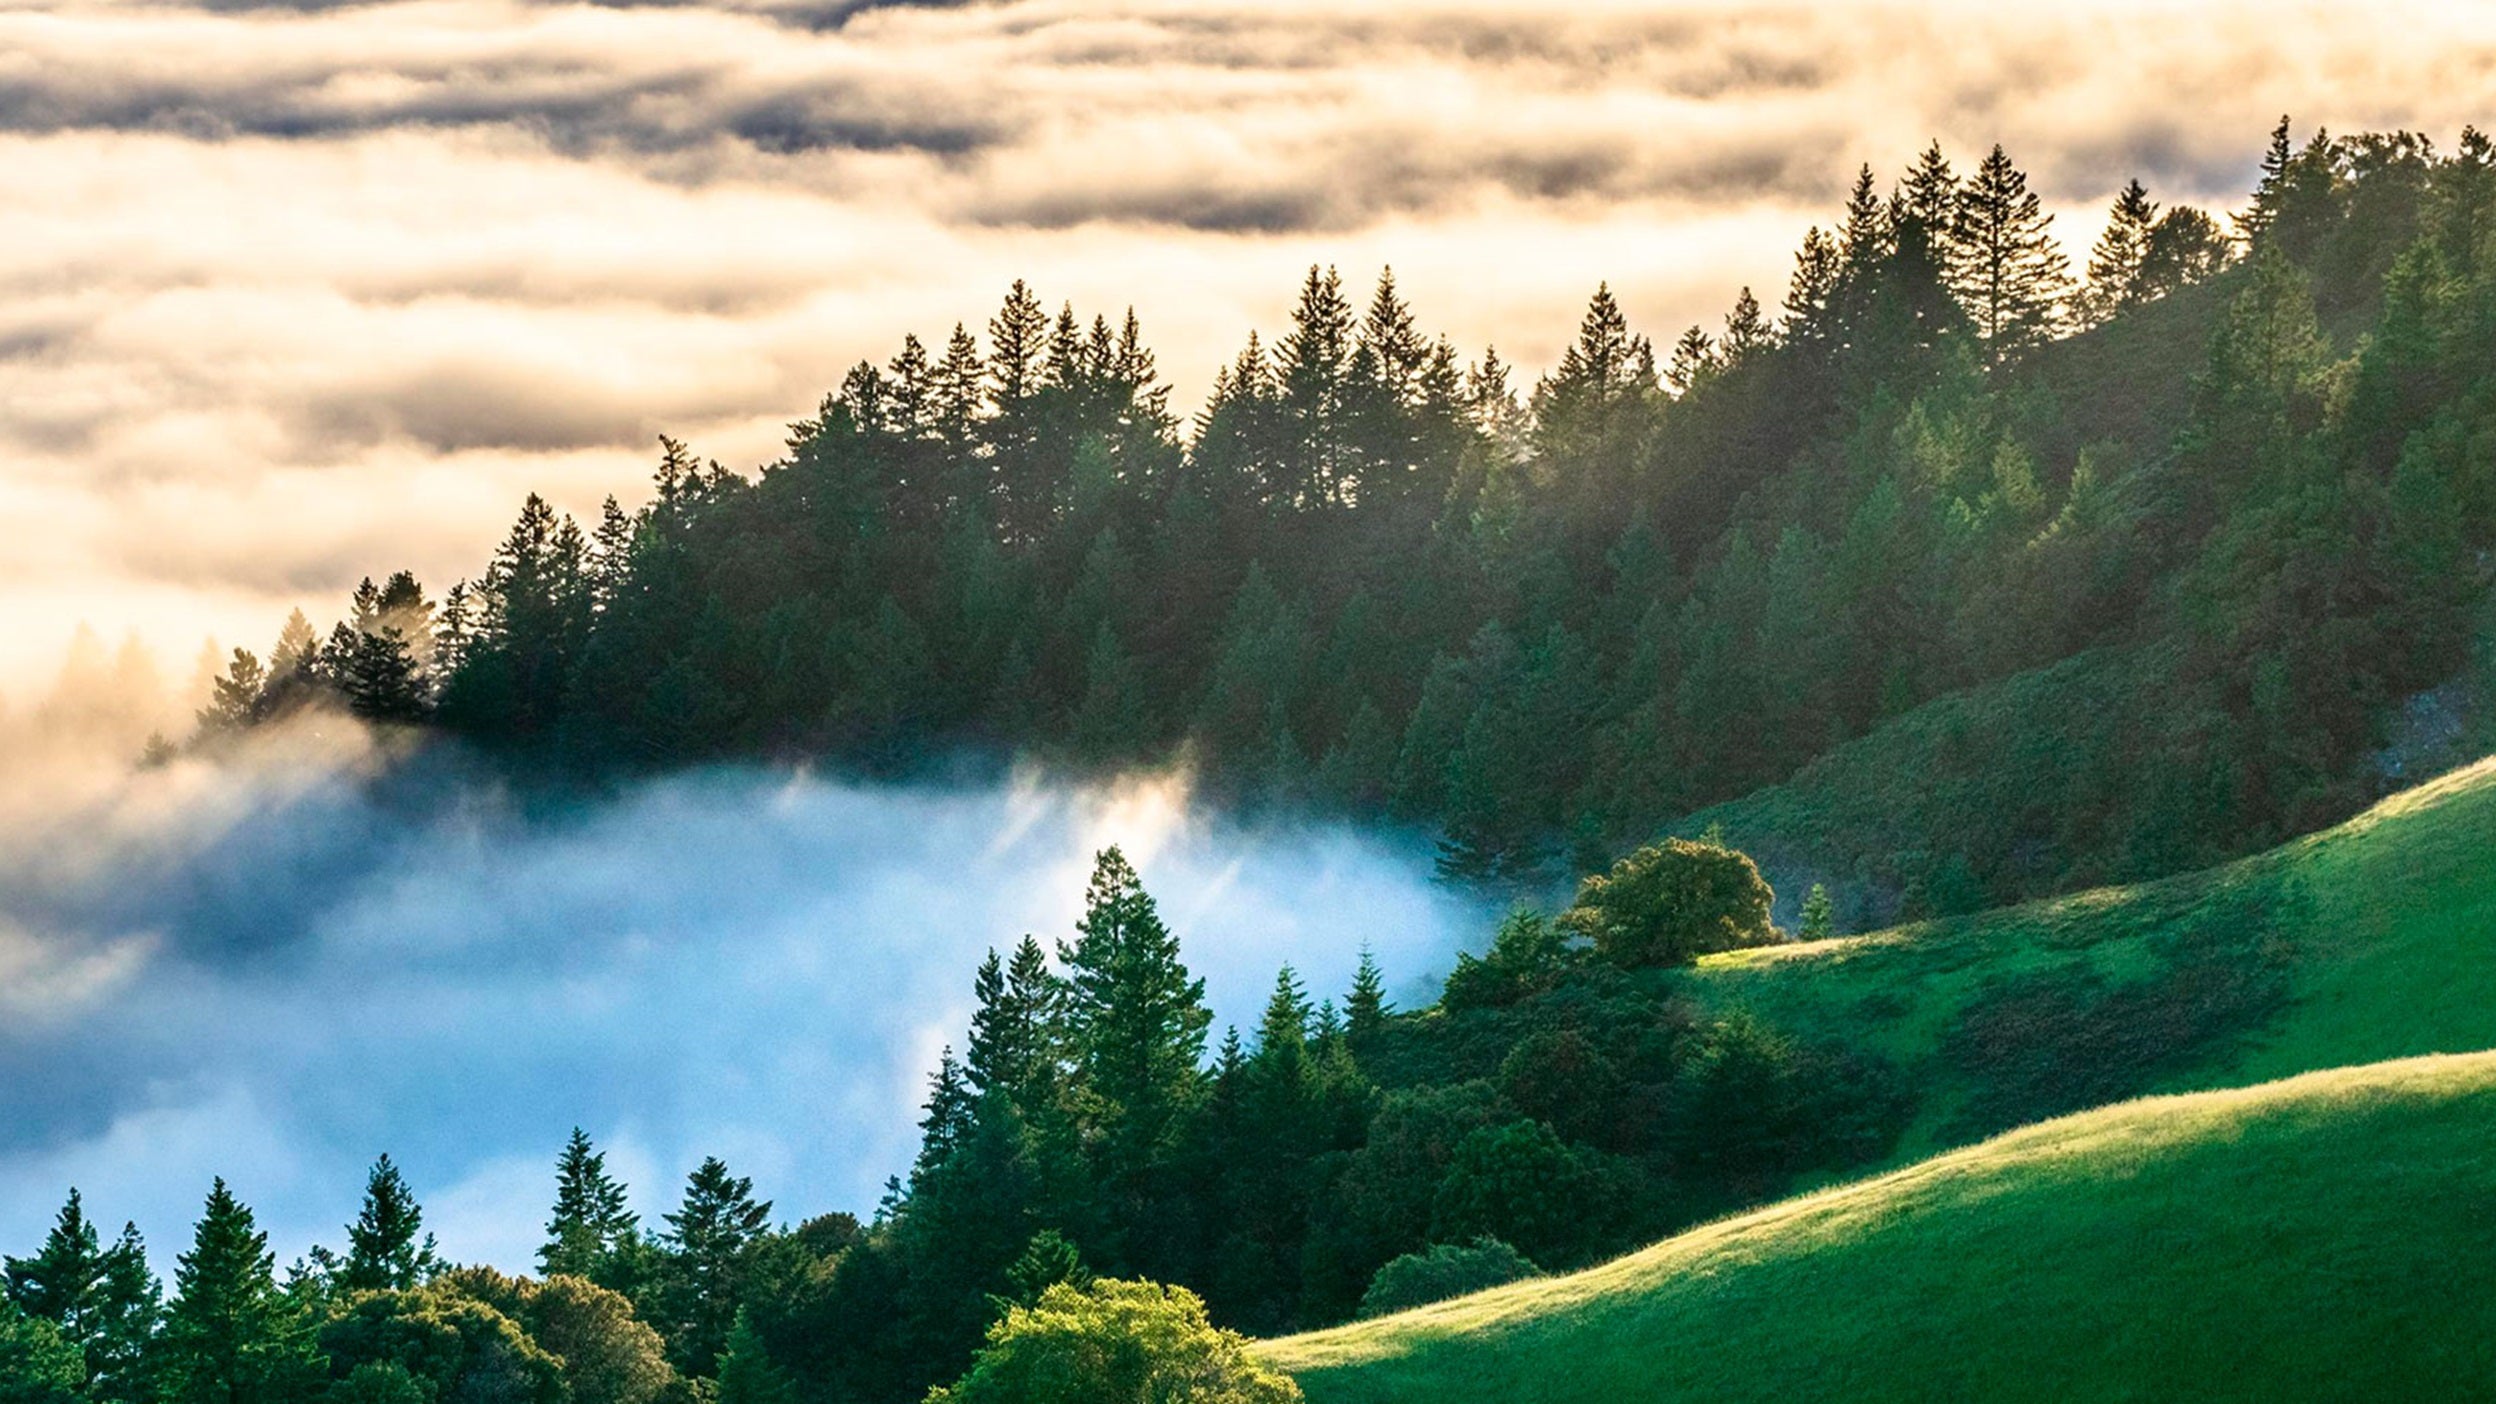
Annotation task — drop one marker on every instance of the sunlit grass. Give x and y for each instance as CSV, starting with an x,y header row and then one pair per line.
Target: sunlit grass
x,y
2324,1237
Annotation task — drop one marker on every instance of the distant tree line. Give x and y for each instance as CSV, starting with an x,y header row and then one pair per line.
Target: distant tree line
x,y
1561,1103
1378,577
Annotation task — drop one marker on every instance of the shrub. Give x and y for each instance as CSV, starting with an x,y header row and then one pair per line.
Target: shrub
x,y
1669,902
1442,1271
1115,1341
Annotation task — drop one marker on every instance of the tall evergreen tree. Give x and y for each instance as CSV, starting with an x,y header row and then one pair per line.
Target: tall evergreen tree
x,y
387,1247
1313,364
2005,268
747,1373
63,1283
1014,1031
129,1305
708,1251
231,1337
1365,1009
2117,263
1137,1019
592,1226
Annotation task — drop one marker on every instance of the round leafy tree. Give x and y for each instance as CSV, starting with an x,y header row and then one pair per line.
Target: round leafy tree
x,y
1444,1270
1116,1343
1673,901
1521,1183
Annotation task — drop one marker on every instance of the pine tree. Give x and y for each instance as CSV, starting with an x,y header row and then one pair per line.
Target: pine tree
x,y
747,1373
1365,1008
709,1245
1313,370
1747,333
384,1251
129,1304
946,1124
1136,1017
591,1226
1864,238
295,677
1283,1033
2117,263
1819,915
1811,295
2257,220
1014,1032
231,1337
2005,267
64,1282
234,699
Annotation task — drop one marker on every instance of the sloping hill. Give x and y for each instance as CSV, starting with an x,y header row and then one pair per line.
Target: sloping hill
x,y
2327,1237
2370,941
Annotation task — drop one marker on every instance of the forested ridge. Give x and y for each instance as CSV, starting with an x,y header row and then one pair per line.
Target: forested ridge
x,y
2004,577
2243,466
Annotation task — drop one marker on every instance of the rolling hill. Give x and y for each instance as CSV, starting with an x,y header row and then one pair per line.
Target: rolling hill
x,y
2325,1237
2265,1239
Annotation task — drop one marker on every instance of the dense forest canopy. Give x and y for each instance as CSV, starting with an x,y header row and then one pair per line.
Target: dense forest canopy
x,y
2238,468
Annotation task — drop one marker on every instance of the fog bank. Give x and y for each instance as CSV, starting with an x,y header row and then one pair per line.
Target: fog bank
x,y
275,968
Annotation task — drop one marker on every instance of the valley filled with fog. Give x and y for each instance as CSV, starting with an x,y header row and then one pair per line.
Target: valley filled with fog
x,y
275,966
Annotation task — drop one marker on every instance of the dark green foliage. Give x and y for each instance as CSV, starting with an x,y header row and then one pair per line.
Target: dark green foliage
x,y
593,1233
1521,1183
1528,956
451,1345
1444,1270
64,1282
230,1336
1671,901
1115,1341
384,1250
36,1365
747,1373
706,1259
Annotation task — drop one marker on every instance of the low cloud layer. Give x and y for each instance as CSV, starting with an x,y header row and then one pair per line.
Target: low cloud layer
x,y
275,969
295,291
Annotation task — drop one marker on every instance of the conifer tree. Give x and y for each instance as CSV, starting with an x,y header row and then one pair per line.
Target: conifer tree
x,y
1313,370
1014,1030
1819,915
1747,333
231,1337
2257,220
63,1282
2005,268
2117,263
947,1120
1809,297
129,1304
1365,1009
234,699
385,1252
747,1373
592,1225
709,1246
1136,1017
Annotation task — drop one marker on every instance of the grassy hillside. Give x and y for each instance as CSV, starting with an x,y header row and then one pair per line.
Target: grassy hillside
x,y
2321,1238
2369,941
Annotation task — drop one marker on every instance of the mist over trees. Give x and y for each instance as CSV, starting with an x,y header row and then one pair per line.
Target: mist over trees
x,y
1087,1147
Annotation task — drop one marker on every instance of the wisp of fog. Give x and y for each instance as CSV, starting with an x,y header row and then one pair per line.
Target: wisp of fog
x,y
276,966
